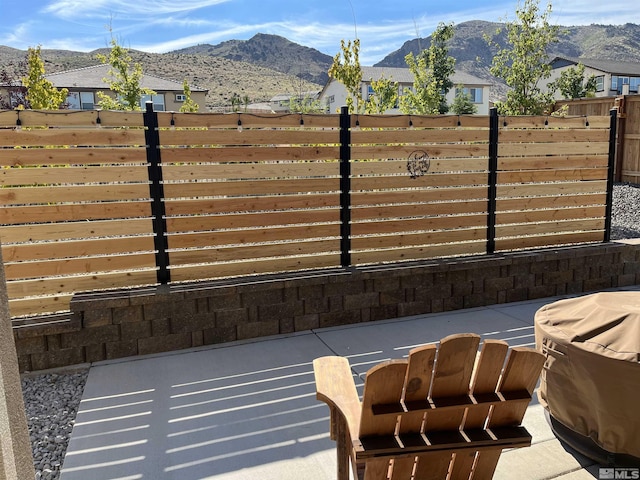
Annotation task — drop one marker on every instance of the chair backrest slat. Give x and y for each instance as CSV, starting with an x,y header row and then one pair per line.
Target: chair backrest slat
x,y
383,386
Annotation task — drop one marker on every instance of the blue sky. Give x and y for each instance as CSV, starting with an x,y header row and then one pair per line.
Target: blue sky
x,y
165,25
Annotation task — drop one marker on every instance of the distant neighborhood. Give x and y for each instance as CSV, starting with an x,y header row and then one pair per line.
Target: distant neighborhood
x,y
213,92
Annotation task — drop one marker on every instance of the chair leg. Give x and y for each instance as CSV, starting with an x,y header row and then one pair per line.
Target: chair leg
x,y
343,447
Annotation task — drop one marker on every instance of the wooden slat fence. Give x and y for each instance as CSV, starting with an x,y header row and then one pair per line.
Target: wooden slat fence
x,y
74,203
628,129
100,200
552,181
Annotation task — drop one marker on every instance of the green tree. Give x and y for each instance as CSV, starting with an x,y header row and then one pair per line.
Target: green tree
x,y
124,80
463,103
432,70
188,105
304,103
41,94
572,83
523,63
346,69
385,96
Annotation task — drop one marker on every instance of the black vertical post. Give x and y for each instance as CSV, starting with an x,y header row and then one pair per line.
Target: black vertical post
x,y
345,187
610,173
492,180
156,191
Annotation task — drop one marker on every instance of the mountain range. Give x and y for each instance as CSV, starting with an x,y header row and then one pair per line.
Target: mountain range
x,y
266,65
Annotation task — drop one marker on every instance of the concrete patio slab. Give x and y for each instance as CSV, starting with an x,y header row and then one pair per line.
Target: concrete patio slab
x,y
247,410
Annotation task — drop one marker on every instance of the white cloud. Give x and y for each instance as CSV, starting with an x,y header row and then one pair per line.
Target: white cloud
x,y
124,8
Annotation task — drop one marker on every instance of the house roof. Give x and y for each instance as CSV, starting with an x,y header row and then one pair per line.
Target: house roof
x,y
93,77
404,75
607,66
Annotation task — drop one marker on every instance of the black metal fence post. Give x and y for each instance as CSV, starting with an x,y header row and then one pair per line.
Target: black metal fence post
x,y
492,180
610,173
156,191
345,187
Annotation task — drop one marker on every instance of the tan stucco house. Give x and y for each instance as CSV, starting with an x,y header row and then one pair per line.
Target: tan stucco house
x,y
83,83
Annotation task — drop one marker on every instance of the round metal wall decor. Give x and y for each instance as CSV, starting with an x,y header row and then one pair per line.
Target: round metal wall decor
x,y
418,163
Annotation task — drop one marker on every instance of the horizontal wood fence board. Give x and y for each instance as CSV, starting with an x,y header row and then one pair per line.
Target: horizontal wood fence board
x,y
238,171
530,229
247,154
434,151
417,209
563,188
72,266
230,120
73,212
79,283
58,118
429,181
271,234
76,230
250,187
593,122
78,193
247,137
22,307
559,175
412,196
420,121
418,253
13,157
552,162
574,148
73,175
248,252
190,206
250,220
254,267
418,224
550,215
418,136
76,248
507,244
400,166
552,135
421,239
68,136
550,202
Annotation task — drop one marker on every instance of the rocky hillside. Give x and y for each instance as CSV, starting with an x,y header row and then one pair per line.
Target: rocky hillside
x,y
223,77
473,55
273,52
266,65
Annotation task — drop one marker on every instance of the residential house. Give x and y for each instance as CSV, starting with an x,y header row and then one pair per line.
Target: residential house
x,y
334,93
281,103
83,83
612,77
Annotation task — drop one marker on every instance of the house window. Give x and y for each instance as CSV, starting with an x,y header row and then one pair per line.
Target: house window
x,y
180,97
474,93
80,101
634,82
600,83
617,83
158,102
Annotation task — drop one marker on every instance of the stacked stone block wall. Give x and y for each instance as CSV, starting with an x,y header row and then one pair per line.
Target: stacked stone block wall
x,y
111,325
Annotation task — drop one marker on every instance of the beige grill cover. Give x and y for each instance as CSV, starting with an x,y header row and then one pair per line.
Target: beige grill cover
x,y
591,379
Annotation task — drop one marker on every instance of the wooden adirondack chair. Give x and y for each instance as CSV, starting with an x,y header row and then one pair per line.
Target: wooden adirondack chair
x,y
443,413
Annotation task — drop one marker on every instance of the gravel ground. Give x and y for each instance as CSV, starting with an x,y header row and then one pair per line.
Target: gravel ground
x,y
52,399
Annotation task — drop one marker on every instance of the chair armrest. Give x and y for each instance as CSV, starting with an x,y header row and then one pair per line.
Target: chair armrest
x,y
335,386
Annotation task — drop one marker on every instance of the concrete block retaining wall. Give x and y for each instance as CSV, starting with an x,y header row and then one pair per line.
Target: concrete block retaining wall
x,y
141,321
